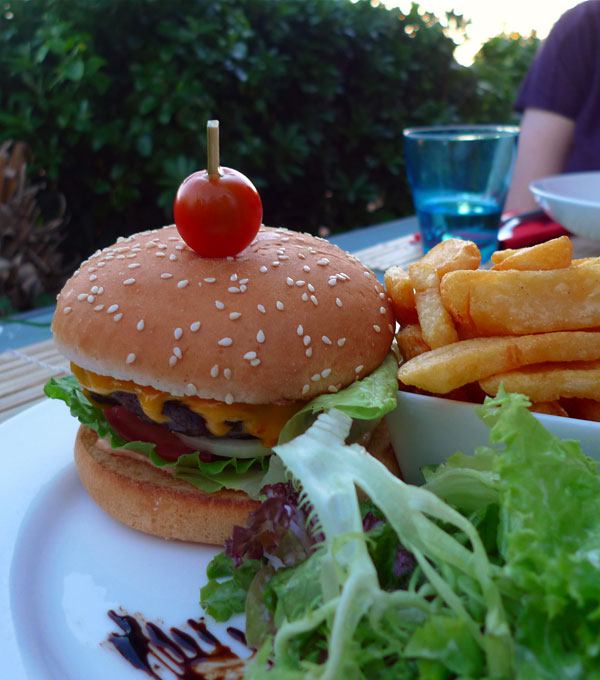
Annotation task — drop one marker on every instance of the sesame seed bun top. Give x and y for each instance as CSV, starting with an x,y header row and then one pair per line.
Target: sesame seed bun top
x,y
289,318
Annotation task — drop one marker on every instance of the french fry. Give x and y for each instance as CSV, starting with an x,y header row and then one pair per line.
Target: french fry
x,y
410,341
436,323
554,254
447,368
550,408
401,292
549,382
516,302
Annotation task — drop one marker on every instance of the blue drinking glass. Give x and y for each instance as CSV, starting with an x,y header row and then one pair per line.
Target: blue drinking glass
x,y
459,176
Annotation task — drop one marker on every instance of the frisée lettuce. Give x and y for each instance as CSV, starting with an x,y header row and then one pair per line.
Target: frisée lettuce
x,y
500,549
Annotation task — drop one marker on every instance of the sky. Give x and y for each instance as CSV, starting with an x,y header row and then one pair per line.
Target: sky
x,y
489,18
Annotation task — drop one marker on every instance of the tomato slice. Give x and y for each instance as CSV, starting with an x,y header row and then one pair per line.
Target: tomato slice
x,y
133,429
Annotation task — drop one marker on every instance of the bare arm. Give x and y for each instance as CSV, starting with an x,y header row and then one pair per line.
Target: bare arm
x,y
544,143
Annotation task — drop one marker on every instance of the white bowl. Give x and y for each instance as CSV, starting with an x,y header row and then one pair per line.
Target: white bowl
x,y
426,430
573,200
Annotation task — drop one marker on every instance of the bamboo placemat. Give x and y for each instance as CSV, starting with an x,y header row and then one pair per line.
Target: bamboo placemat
x,y
23,374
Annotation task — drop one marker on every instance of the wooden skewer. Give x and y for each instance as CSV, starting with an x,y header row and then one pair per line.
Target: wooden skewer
x,y
212,148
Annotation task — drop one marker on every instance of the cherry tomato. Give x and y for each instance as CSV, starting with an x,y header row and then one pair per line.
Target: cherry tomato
x,y
217,215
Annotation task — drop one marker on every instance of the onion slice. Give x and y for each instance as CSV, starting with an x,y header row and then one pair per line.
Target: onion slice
x,y
226,447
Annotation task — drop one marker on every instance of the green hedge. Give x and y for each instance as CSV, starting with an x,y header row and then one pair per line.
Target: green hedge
x,y
113,97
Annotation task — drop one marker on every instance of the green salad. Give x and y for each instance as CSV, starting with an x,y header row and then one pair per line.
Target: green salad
x,y
490,570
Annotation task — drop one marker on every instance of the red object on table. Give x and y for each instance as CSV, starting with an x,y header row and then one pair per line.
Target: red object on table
x,y
537,229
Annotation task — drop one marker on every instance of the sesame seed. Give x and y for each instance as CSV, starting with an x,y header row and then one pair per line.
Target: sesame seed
x,y
183,283
312,251
179,246
323,261
133,265
94,289
305,389
250,355
227,373
338,302
112,309
332,281
285,239
91,270
366,274
308,352
141,325
233,277
190,389
341,342
359,368
289,281
275,263
230,258
98,308
195,326
306,268
325,373
67,310
130,358
263,269
159,253
300,283
260,336
316,377
100,290
225,342
162,246
177,352
177,333
280,306
101,264
214,371
326,340
166,275
120,257
90,299
172,361
382,296
210,279
302,256
382,310
284,257
243,289
173,258
128,282
118,317
219,304
332,388
300,329
93,277
305,296
255,362
82,296
306,340
229,399
314,300
173,238
233,289
376,328
243,282
261,309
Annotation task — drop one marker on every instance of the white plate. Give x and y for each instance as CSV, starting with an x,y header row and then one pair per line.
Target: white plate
x,y
64,563
426,430
572,199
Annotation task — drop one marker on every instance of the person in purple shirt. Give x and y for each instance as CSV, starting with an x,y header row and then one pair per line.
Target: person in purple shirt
x,y
560,101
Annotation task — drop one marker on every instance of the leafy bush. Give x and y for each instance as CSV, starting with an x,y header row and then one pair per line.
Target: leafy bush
x,y
113,99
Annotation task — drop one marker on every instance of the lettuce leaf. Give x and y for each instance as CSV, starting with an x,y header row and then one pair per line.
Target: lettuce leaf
x,y
367,399
243,474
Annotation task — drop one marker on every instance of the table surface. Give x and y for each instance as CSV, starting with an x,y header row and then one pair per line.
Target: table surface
x,y
28,358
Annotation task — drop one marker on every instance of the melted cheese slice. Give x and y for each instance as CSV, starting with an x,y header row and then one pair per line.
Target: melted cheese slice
x,y
263,421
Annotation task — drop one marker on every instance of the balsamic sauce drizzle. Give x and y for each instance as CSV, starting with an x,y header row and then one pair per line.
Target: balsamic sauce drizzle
x,y
150,649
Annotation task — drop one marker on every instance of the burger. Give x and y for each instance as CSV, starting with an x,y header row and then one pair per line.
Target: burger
x,y
187,371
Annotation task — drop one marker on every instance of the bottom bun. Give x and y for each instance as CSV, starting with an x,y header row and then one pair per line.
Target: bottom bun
x,y
145,498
